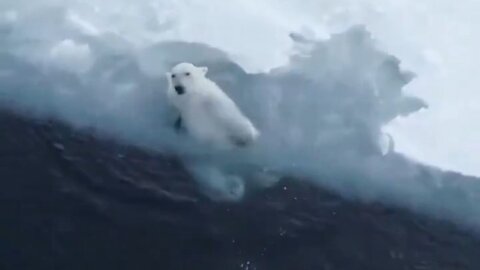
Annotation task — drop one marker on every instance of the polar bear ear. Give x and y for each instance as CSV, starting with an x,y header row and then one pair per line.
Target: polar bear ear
x,y
204,70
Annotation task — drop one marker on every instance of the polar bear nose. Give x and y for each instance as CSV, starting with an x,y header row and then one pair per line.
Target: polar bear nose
x,y
179,89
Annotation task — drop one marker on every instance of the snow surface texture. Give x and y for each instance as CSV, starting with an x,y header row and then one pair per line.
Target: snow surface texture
x,y
320,111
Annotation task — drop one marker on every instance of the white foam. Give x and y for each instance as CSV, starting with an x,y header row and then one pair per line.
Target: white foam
x,y
72,56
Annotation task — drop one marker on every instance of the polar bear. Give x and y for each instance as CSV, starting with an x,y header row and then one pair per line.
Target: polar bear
x,y
206,111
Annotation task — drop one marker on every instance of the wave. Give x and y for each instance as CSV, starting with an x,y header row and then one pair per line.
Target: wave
x,y
321,113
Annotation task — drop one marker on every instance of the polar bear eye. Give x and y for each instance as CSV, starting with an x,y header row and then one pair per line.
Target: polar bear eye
x,y
187,74
173,75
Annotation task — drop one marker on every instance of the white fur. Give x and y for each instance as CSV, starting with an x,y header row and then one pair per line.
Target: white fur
x,y
208,114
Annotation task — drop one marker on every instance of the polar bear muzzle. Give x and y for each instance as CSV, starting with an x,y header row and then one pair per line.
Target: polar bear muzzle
x,y
179,89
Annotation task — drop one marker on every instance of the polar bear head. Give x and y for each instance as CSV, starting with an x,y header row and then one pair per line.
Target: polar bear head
x,y
185,76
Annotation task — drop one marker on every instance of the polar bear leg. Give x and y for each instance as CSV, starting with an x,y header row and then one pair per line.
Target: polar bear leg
x,y
178,125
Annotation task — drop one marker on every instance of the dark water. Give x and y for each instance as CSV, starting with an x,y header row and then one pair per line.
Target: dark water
x,y
71,201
